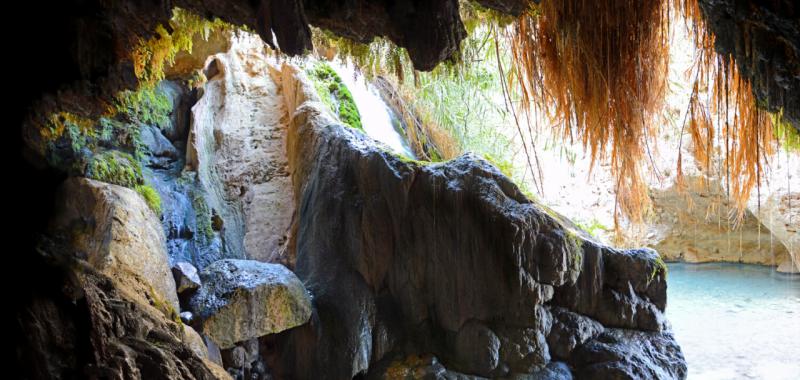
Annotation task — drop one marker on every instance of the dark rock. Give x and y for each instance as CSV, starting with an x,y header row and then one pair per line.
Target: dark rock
x,y
243,299
182,99
618,288
477,348
570,330
161,154
630,354
186,277
88,328
553,371
764,39
451,257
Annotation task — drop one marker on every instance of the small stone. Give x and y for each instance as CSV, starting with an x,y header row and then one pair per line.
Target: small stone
x,y
186,277
238,356
186,317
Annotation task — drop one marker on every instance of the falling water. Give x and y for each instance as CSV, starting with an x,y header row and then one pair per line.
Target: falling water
x,y
377,119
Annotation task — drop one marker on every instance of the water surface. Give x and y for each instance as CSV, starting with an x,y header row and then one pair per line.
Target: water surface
x,y
736,321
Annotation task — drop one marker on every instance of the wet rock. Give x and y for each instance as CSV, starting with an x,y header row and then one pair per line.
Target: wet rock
x,y
764,39
113,229
161,154
570,330
451,257
88,327
553,371
243,299
477,348
186,277
630,354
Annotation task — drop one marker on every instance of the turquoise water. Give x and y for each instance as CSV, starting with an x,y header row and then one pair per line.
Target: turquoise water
x,y
736,321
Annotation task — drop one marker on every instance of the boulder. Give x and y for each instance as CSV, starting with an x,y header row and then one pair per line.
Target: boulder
x,y
244,299
629,354
186,277
569,331
114,230
477,348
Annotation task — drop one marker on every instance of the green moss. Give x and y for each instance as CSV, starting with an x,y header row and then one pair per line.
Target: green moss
x,y
335,94
575,247
150,196
150,56
115,167
146,105
787,135
163,306
659,267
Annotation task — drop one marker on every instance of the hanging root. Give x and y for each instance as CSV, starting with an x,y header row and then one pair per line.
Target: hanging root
x,y
599,67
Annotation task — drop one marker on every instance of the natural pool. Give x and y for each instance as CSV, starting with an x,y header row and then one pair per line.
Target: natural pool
x,y
736,321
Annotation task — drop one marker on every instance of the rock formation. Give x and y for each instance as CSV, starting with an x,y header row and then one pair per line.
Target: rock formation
x,y
244,299
113,229
236,146
449,259
693,226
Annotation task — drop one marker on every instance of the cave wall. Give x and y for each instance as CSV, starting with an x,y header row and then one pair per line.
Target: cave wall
x,y
763,37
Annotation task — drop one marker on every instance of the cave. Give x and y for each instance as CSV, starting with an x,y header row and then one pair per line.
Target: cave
x,y
376,189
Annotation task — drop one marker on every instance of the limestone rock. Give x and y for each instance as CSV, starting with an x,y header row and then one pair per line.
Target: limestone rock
x,y
237,148
244,299
113,229
630,354
477,348
186,277
195,341
569,331
696,230
450,256
87,313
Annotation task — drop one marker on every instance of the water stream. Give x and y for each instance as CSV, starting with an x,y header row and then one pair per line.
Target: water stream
x,y
378,120
736,321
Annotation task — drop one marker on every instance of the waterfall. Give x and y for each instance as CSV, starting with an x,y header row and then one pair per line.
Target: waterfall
x,y
378,120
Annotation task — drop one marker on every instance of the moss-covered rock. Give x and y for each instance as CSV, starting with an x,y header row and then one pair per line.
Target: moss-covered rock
x,y
335,94
115,167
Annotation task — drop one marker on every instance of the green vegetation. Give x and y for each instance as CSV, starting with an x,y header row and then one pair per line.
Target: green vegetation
x,y
593,228
335,94
659,267
152,55
147,105
164,307
785,133
505,166
115,167
150,196
575,248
